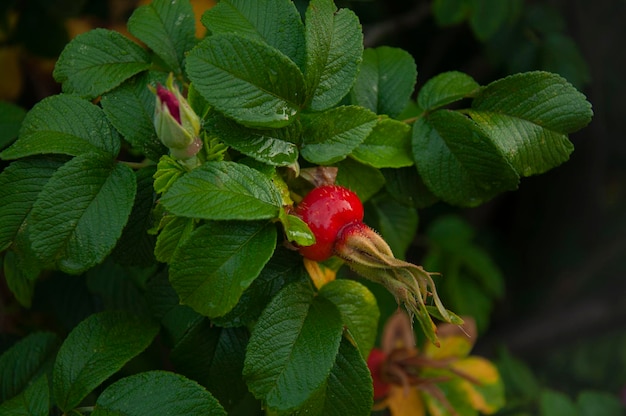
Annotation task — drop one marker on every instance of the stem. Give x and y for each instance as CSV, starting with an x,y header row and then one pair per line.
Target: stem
x,y
138,165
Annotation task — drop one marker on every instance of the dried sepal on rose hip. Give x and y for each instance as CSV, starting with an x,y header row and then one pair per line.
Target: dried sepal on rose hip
x,y
335,216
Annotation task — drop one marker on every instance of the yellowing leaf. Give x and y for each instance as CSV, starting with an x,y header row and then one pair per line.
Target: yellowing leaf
x,y
455,341
407,402
486,391
320,274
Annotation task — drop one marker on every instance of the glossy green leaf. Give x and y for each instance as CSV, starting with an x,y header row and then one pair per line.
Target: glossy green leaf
x,y
267,146
349,387
26,361
98,61
130,108
386,80
332,135
81,211
334,49
457,161
168,28
223,191
64,124
397,223
156,392
358,309
218,262
213,356
528,117
174,232
11,117
446,88
284,267
387,146
225,71
292,348
20,185
296,230
34,401
276,23
362,179
96,349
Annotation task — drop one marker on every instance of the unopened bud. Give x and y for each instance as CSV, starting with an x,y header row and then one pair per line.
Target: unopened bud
x,y
176,124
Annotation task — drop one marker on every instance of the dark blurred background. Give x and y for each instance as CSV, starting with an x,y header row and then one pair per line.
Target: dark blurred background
x,y
560,240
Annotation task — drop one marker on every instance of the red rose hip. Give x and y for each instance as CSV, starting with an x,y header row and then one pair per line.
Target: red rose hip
x,y
326,210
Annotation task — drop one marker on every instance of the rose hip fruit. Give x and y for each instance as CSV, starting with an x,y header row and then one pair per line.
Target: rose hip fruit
x,y
327,210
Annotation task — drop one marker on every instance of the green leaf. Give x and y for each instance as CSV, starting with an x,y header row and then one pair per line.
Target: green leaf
x,y
97,348
175,231
488,16
136,245
332,135
296,230
387,146
457,161
408,188
560,54
517,377
349,389
223,191
334,49
218,262
225,71
446,88
397,223
358,309
156,392
528,117
386,80
20,185
118,287
554,403
292,348
276,23
364,180
26,361
34,401
168,171
64,124
168,28
267,146
213,356
98,61
17,280
11,117
81,211
283,268
130,108
590,403
450,12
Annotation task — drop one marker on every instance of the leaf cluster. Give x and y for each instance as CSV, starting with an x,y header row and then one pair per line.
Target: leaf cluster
x,y
276,92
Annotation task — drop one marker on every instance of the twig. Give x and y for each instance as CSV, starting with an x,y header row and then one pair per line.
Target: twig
x,y
373,34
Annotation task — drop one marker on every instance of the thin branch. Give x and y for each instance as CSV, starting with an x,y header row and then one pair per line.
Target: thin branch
x,y
374,33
